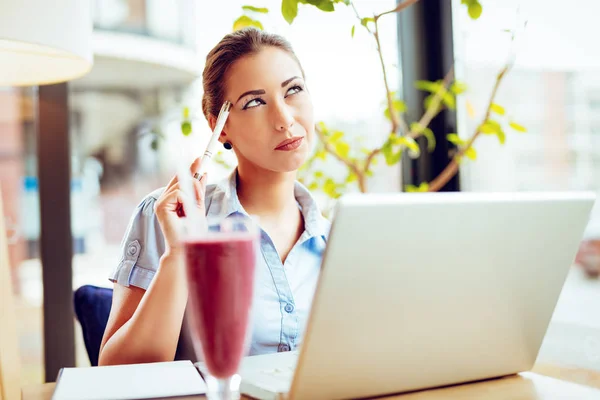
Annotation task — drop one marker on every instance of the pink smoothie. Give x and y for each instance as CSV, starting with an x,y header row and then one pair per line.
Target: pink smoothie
x,y
220,275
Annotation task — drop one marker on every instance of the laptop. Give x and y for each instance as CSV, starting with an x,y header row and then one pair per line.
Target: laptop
x,y
422,290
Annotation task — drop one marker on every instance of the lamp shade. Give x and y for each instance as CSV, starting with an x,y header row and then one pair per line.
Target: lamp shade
x,y
44,41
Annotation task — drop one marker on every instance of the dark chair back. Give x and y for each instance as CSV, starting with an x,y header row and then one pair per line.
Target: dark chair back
x,y
92,308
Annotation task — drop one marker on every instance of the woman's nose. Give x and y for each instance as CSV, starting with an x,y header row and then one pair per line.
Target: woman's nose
x,y
283,118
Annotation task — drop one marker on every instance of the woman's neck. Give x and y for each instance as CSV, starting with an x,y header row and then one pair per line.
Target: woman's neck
x,y
266,193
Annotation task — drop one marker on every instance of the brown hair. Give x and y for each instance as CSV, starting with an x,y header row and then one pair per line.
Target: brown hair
x,y
231,48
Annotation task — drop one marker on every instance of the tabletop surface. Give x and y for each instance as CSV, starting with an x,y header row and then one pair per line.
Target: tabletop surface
x,y
523,386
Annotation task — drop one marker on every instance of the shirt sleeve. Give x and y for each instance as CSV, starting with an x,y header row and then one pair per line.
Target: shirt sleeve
x,y
141,248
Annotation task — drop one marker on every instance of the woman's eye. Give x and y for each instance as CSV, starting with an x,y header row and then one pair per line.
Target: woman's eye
x,y
253,103
294,89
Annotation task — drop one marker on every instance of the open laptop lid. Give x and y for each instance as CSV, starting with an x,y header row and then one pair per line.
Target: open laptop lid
x,y
424,290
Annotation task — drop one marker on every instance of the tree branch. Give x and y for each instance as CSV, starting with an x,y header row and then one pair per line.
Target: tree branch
x,y
359,17
452,167
400,7
394,117
370,158
432,110
397,121
332,151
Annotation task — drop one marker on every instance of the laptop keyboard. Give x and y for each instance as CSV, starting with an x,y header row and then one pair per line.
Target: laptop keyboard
x,y
270,372
282,373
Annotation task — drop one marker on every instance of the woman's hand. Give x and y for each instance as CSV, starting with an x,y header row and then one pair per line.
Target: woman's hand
x,y
169,207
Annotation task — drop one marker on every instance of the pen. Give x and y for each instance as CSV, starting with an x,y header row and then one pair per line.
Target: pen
x,y
214,140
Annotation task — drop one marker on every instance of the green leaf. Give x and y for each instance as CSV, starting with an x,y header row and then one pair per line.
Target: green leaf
x,y
342,148
364,21
261,10
313,186
490,127
330,188
416,127
423,187
458,87
431,142
387,114
323,128
318,174
395,157
497,108
351,177
337,135
475,10
448,100
388,152
323,5
353,29
369,173
154,144
289,10
429,86
455,139
218,158
399,107
186,128
471,153
395,140
501,136
321,154
517,127
186,113
245,21
435,88
410,143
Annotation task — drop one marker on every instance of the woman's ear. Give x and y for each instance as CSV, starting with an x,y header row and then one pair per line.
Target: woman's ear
x,y
212,121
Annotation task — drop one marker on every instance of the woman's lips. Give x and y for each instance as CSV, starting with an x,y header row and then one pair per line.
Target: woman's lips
x,y
290,144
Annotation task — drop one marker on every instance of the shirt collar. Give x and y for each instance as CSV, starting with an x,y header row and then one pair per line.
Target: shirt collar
x,y
225,201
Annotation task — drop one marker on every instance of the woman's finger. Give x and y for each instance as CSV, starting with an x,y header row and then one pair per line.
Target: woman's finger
x,y
195,167
200,189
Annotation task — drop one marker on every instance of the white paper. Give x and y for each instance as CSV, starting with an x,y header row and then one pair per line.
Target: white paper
x,y
136,381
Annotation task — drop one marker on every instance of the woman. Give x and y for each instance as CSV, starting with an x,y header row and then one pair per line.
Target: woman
x,y
271,129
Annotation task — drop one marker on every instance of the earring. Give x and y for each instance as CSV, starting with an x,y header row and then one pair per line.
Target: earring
x,y
227,145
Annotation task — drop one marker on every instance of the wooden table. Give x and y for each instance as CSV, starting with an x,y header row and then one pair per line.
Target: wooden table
x,y
523,386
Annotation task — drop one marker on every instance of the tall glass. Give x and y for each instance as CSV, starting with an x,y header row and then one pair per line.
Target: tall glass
x,y
220,264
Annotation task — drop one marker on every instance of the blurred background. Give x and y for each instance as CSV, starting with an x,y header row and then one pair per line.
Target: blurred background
x,y
149,56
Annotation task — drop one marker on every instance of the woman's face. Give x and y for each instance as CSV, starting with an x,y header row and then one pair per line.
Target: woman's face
x,y
271,123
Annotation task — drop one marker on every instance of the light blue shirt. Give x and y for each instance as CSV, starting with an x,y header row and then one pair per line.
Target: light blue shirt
x,y
284,292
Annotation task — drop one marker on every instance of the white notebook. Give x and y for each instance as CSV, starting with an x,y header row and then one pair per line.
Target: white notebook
x,y
136,381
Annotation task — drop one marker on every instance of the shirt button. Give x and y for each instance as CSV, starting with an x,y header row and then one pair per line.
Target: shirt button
x,y
289,308
133,249
283,347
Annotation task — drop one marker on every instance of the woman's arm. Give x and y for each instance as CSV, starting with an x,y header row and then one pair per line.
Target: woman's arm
x,y
144,326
